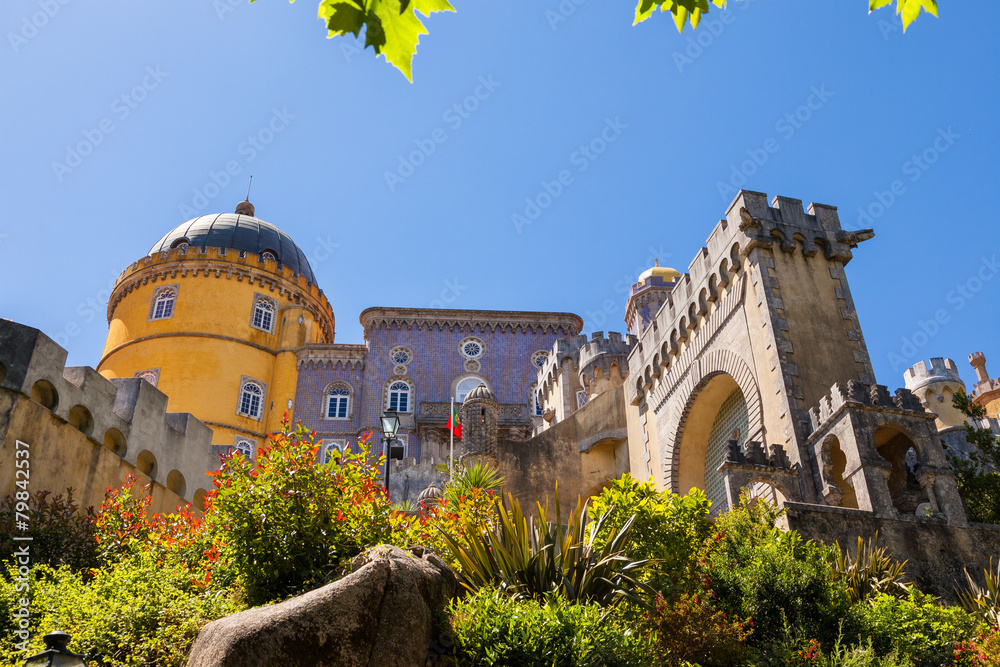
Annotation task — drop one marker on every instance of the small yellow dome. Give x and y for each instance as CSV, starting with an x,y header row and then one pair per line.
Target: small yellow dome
x,y
664,272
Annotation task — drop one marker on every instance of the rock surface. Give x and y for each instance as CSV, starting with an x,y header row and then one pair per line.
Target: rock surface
x,y
380,615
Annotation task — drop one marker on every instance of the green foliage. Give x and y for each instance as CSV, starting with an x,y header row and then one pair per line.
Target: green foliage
x,y
493,629
870,571
121,525
917,626
526,558
983,650
468,479
907,10
782,583
811,654
983,602
690,629
60,533
978,476
281,523
392,27
667,528
137,613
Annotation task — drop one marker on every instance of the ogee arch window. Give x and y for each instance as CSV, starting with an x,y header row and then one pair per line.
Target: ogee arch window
x,y
263,315
251,398
731,423
163,304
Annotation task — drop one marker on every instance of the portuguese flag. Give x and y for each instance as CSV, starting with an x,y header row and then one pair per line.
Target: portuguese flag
x,y
454,425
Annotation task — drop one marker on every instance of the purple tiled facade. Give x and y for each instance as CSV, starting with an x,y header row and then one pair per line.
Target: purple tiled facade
x,y
433,338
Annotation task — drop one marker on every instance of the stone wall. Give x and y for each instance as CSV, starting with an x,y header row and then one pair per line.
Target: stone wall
x,y
89,433
935,551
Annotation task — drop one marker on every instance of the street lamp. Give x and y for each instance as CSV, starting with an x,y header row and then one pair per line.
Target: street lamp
x,y
56,654
390,424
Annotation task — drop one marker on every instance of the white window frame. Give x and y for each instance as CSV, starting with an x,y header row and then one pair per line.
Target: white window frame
x,y
403,439
345,397
326,446
266,307
581,398
389,405
472,339
479,380
535,406
395,350
247,444
165,295
246,382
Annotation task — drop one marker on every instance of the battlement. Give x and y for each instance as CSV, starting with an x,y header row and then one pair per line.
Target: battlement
x,y
858,394
940,370
219,263
125,415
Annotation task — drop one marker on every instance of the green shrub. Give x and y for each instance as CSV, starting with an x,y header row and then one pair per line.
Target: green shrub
x,y
667,528
917,626
138,613
784,585
283,524
61,532
493,629
812,654
977,475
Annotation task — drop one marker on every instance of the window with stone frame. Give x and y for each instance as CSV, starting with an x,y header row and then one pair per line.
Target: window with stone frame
x,y
471,348
338,401
465,385
327,449
251,401
399,396
581,398
152,376
263,315
244,448
163,303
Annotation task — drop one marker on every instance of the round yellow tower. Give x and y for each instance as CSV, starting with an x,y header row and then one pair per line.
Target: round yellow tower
x,y
213,316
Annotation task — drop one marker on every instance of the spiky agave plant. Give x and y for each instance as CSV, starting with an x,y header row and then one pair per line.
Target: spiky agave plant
x,y
529,558
476,476
982,601
870,571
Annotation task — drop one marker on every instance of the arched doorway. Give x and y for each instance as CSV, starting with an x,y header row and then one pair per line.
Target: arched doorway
x,y
896,447
718,414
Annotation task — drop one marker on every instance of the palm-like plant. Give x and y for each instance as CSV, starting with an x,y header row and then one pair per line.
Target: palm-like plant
x,y
983,601
870,571
476,476
528,558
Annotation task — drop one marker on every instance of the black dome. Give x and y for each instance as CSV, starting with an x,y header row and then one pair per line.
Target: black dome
x,y
238,232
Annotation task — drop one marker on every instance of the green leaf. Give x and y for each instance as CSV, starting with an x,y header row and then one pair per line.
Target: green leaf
x,y
684,11
392,27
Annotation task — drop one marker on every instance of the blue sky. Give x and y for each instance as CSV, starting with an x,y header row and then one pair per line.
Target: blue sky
x,y
183,86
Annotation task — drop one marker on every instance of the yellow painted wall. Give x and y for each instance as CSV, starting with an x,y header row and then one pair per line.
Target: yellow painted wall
x,y
207,347
62,457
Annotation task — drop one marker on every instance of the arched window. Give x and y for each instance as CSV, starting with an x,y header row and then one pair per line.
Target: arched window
x,y
150,376
251,399
731,423
399,397
327,452
338,402
263,315
464,386
163,304
267,254
536,405
244,448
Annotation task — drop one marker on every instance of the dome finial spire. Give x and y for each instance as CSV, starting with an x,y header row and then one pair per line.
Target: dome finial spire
x,y
245,207
656,261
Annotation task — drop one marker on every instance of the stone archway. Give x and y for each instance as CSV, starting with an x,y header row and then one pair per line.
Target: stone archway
x,y
709,382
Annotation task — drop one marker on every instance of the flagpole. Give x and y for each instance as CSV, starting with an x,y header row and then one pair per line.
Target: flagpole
x,y
451,431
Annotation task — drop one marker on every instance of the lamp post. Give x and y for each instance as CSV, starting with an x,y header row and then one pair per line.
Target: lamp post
x,y
390,424
56,654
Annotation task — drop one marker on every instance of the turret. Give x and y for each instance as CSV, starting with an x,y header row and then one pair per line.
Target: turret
x,y
934,385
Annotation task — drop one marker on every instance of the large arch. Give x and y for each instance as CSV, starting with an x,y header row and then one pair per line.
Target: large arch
x,y
710,380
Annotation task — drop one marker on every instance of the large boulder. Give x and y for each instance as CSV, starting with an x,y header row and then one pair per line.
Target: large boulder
x,y
380,615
